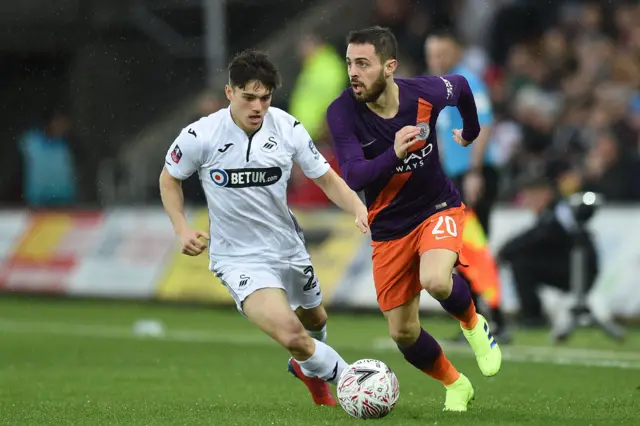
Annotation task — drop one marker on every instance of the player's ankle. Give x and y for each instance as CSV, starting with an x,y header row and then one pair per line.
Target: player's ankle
x,y
450,378
471,323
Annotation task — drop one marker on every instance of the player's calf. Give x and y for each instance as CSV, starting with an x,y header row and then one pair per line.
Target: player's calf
x,y
313,362
426,355
269,309
299,344
404,333
452,292
314,321
474,327
417,346
459,303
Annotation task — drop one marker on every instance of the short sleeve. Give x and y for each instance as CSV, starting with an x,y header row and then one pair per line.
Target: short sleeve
x,y
306,155
184,155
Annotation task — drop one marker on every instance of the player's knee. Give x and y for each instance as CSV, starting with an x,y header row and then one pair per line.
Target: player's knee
x,y
405,334
313,319
437,283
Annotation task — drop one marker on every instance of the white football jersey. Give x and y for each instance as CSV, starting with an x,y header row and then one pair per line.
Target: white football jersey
x,y
245,181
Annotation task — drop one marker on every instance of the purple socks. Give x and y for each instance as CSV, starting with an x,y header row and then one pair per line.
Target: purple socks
x,y
423,353
459,299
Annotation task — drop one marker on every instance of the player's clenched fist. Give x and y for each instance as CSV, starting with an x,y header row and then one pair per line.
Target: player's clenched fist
x,y
191,243
457,136
405,139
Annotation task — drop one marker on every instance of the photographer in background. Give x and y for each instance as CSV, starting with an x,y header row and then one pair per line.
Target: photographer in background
x,y
542,254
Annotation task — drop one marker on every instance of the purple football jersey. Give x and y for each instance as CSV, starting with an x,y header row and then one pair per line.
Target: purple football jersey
x,y
400,194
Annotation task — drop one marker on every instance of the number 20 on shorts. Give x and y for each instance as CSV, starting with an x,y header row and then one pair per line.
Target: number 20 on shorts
x,y
445,225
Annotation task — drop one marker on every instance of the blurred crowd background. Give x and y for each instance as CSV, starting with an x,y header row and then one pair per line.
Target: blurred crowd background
x,y
94,92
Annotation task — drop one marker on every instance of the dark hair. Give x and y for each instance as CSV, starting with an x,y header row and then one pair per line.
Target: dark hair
x,y
382,39
253,65
446,34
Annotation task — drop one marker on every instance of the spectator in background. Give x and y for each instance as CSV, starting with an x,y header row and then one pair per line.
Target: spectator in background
x,y
49,170
471,169
473,20
208,103
517,22
411,21
567,84
321,80
611,171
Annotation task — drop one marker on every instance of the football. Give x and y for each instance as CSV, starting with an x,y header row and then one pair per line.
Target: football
x,y
368,389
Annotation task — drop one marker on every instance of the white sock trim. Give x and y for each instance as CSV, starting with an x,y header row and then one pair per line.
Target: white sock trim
x,y
320,335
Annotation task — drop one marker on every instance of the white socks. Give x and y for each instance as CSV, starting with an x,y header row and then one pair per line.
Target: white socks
x,y
325,363
320,334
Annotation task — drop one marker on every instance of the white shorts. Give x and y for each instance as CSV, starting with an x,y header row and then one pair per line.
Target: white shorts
x,y
296,277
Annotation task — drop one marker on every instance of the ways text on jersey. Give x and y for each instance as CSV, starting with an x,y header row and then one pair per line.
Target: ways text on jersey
x,y
415,159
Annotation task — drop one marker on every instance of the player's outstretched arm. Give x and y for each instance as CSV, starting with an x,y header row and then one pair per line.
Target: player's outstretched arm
x,y
342,196
459,94
316,167
181,161
173,202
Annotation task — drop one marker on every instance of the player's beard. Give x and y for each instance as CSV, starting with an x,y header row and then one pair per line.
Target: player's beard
x,y
377,87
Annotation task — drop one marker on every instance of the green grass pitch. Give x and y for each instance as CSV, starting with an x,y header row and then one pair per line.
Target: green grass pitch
x,y
79,363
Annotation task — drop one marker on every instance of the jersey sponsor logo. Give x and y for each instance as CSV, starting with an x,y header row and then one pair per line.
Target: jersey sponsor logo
x,y
425,131
269,146
219,177
245,178
176,154
415,159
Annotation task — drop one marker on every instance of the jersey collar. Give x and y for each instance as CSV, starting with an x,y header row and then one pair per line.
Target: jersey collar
x,y
237,129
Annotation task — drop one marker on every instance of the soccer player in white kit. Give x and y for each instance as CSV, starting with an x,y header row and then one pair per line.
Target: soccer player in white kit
x,y
243,155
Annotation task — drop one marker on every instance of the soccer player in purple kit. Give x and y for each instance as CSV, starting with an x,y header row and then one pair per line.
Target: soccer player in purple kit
x,y
383,129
